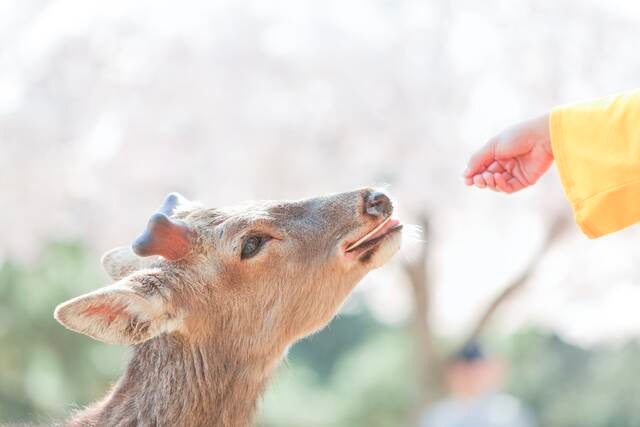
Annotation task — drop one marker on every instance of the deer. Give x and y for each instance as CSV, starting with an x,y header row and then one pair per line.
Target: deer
x,y
211,299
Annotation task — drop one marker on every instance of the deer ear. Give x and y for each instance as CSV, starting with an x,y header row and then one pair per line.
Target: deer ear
x,y
115,314
121,261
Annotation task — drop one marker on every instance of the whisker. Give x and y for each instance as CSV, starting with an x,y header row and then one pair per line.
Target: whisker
x,y
413,233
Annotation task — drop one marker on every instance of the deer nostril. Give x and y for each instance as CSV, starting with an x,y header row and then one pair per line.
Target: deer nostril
x,y
378,204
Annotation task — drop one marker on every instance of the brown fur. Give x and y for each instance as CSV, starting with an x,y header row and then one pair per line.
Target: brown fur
x,y
209,329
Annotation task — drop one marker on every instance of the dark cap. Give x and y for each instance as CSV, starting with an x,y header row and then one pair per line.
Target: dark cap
x,y
471,352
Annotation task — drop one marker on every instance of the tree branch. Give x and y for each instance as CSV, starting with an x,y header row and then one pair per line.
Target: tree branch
x,y
559,224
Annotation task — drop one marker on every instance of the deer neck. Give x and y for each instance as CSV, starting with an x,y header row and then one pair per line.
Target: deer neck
x,y
170,381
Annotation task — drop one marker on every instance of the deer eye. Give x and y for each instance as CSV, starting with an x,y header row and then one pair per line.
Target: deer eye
x,y
252,246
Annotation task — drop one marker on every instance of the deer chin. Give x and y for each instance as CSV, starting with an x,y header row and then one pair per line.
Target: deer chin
x,y
377,245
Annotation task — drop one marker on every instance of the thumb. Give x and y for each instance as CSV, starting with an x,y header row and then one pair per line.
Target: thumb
x,y
481,159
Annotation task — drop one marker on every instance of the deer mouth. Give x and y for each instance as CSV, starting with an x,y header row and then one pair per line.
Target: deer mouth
x,y
374,237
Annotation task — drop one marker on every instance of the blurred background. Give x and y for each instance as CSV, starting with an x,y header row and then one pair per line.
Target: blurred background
x,y
107,106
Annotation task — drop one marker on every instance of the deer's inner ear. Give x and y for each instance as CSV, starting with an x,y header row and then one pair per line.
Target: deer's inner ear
x,y
116,314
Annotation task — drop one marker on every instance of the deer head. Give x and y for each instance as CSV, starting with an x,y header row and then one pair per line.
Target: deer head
x,y
258,276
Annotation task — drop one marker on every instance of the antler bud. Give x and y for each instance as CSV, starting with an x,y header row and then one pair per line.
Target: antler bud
x,y
164,236
171,202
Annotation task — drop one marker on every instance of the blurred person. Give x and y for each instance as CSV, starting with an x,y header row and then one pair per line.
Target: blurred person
x,y
473,381
596,146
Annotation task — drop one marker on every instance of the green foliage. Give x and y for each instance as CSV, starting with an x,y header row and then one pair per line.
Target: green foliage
x,y
571,387
46,370
356,372
370,386
322,351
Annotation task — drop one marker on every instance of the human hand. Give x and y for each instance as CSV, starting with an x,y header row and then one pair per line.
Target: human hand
x,y
514,159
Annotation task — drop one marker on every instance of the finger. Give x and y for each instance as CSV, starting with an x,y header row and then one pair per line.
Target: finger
x,y
515,184
468,181
480,160
488,178
495,167
501,182
492,184
478,181
508,165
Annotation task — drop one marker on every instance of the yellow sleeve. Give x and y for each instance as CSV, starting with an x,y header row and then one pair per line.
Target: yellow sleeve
x,y
597,151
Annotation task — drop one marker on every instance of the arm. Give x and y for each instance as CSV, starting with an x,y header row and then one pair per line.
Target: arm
x,y
597,150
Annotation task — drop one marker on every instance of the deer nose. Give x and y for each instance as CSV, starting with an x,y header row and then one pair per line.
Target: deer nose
x,y
378,204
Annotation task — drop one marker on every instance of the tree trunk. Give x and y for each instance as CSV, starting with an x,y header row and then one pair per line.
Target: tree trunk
x,y
427,358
